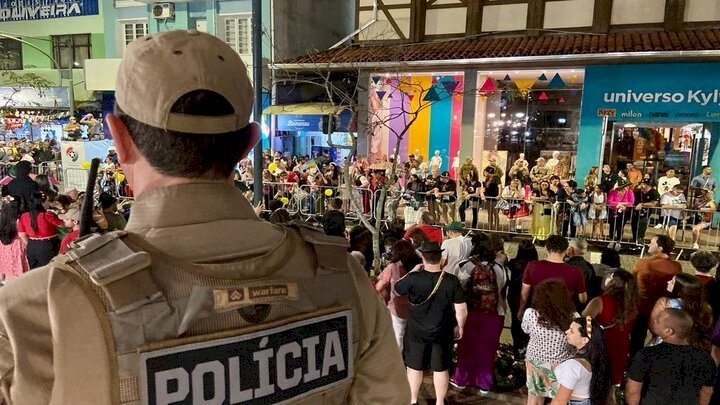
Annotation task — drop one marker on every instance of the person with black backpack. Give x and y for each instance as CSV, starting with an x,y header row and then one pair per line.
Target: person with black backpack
x,y
486,293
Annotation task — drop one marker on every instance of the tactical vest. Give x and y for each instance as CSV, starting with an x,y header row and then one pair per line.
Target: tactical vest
x,y
181,336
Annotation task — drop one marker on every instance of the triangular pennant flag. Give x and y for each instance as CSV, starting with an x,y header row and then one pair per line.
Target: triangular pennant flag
x,y
561,100
380,94
434,79
450,86
390,96
483,97
524,85
375,79
556,82
488,86
411,96
543,96
506,78
431,95
542,78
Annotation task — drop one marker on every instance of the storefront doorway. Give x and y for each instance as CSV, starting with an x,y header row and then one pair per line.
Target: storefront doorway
x,y
655,147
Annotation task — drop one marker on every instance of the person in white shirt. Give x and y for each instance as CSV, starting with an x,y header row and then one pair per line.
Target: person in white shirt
x,y
456,248
665,185
673,203
586,375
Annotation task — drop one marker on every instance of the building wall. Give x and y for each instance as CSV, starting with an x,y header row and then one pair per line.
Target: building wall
x,y
39,32
416,21
300,29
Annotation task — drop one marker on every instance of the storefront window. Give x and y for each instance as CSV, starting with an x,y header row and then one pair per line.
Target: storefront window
x,y
525,115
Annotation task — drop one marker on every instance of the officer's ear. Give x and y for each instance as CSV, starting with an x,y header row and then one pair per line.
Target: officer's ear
x,y
124,146
250,137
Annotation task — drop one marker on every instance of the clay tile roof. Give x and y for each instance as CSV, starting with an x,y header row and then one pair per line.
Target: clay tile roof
x,y
479,47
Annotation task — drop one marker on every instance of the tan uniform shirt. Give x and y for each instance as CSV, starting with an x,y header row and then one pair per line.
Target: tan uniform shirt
x,y
50,333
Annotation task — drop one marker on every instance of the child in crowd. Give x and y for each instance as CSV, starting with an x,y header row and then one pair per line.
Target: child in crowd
x,y
579,210
597,212
13,257
72,221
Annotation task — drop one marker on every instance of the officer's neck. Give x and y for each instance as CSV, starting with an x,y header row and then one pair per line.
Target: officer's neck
x,y
150,179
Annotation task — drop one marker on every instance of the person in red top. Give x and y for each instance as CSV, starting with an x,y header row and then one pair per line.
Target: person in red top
x,y
72,221
615,310
553,267
426,223
38,228
652,276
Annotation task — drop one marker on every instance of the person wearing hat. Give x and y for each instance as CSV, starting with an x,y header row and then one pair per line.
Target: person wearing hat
x,y
706,207
456,247
437,317
72,221
646,197
445,193
198,300
115,221
620,201
539,172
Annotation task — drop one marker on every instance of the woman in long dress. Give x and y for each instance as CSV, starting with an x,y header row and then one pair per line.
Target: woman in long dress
x,y
543,199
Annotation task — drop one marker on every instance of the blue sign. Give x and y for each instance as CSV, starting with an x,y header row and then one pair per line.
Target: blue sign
x,y
21,10
310,123
672,92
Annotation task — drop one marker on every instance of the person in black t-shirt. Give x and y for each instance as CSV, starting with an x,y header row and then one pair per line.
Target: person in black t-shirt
x,y
437,315
445,193
645,197
672,372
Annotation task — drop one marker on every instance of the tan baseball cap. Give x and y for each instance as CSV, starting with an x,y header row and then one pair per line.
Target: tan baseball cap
x,y
160,68
72,213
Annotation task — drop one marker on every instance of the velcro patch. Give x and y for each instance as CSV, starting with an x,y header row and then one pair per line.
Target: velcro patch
x,y
254,294
275,365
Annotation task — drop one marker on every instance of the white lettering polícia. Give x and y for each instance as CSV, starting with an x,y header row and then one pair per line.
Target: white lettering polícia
x,y
217,370
162,379
263,359
283,381
309,344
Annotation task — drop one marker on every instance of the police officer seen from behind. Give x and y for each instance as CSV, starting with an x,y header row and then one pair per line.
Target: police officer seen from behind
x,y
199,301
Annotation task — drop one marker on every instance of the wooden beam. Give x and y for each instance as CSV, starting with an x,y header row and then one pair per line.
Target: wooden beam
x,y
473,20
391,20
418,14
602,13
674,15
535,17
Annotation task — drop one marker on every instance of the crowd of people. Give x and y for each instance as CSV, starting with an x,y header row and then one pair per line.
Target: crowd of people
x,y
582,329
534,200
38,221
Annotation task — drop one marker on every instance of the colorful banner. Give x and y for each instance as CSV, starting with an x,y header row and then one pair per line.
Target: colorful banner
x,y
22,10
437,102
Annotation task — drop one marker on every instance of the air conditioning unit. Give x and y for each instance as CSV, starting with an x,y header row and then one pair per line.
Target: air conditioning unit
x,y
162,11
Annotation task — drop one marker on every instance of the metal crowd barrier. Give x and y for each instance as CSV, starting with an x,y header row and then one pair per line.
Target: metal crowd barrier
x,y
315,201
533,217
631,226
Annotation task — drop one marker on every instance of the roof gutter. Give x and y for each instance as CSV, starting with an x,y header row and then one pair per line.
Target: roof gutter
x,y
361,29
513,61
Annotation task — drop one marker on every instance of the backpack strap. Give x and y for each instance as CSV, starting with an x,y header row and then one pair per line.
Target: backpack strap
x,y
122,274
330,251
